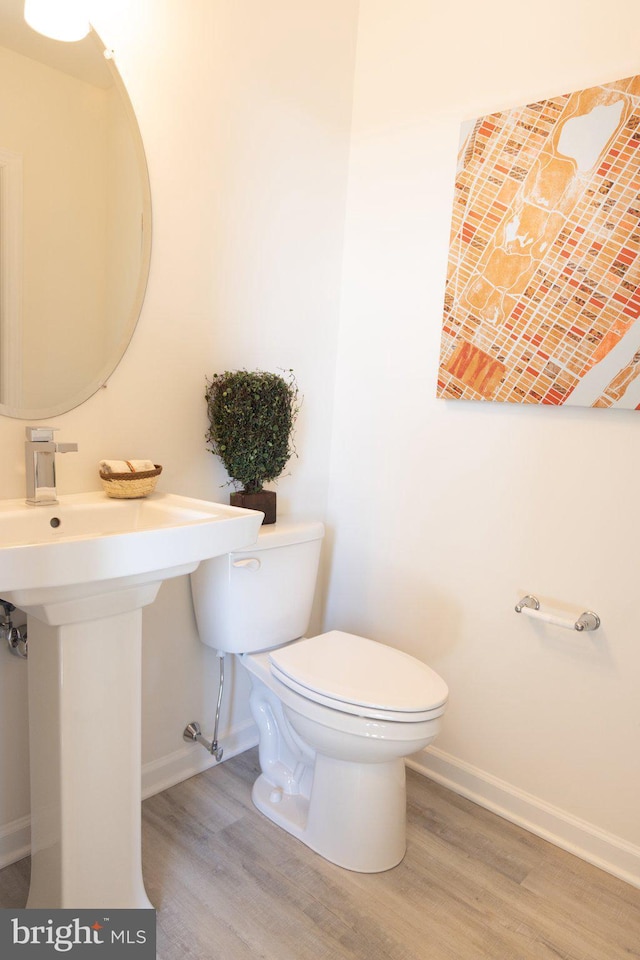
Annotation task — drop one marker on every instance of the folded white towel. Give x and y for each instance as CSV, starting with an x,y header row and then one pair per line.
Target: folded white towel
x,y
125,466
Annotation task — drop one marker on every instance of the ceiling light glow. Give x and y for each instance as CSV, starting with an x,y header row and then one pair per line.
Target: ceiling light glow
x,y
59,19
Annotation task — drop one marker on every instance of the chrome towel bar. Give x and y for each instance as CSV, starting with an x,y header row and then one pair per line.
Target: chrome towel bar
x,y
530,606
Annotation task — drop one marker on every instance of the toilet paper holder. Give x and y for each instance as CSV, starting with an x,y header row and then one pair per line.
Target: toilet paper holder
x,y
530,606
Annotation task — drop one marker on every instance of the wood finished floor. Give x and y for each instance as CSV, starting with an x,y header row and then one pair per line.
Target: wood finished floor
x,y
229,885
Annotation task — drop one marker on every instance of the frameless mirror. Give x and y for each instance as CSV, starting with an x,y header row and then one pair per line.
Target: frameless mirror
x,y
75,219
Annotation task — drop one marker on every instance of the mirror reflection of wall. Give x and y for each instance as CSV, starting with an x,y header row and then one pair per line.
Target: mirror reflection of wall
x,y
74,258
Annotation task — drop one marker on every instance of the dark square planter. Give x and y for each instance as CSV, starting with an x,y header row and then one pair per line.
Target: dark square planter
x,y
265,501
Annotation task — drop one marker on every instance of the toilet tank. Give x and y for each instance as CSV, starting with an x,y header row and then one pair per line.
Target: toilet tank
x,y
261,596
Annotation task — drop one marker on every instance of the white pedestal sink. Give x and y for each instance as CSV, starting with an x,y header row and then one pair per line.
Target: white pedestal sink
x,y
83,569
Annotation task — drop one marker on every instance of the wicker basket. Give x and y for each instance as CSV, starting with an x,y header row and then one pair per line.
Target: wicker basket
x,y
129,486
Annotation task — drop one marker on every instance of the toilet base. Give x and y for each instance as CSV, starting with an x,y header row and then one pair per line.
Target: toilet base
x,y
355,817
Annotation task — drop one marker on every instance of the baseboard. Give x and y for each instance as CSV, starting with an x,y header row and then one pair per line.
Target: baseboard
x,y
159,775
583,839
15,841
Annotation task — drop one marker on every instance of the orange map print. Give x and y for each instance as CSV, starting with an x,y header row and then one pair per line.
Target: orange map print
x,y
542,303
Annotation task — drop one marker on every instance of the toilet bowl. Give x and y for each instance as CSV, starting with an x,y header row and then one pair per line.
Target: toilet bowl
x,y
336,713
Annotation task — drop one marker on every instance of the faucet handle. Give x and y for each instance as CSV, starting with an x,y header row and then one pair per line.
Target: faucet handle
x,y
40,434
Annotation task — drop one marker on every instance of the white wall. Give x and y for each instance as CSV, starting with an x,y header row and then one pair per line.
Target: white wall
x,y
244,110
445,513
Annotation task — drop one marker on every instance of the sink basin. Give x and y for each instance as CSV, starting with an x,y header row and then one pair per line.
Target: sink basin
x,y
83,569
94,514
88,540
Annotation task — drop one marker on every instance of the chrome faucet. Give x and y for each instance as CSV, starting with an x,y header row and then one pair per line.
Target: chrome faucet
x,y
40,462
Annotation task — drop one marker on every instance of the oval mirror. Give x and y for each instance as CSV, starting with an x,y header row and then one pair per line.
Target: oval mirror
x,y
75,219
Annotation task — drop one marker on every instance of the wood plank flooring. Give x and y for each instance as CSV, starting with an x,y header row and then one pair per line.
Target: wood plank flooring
x,y
229,885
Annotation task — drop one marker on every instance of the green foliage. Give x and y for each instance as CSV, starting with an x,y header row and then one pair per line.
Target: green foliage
x,y
251,418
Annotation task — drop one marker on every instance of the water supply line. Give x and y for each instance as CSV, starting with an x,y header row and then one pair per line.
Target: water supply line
x,y
192,733
16,637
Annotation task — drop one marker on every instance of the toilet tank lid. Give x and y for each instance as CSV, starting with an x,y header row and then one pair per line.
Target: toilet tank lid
x,y
284,533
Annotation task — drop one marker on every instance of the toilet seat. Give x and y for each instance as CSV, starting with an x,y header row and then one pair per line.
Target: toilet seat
x,y
356,675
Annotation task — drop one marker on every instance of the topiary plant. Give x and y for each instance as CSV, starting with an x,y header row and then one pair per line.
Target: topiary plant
x,y
251,419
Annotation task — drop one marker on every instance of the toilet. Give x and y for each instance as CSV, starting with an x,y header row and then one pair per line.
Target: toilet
x,y
336,713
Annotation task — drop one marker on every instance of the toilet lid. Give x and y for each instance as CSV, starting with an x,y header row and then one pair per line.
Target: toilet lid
x,y
343,669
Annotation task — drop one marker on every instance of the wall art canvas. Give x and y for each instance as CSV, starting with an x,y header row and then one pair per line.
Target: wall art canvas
x,y
542,303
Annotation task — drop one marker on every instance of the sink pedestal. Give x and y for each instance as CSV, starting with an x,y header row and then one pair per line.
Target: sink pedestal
x,y
84,719
82,569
